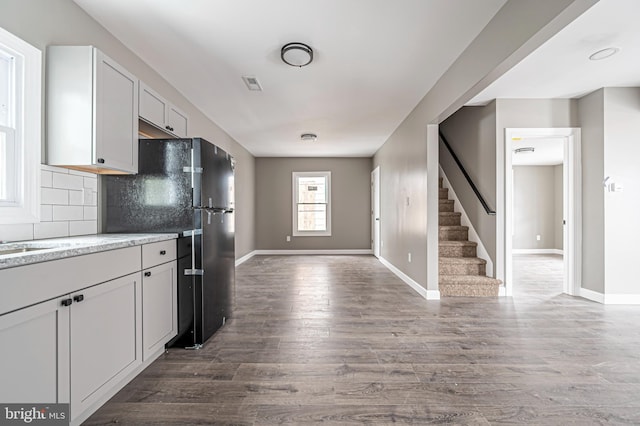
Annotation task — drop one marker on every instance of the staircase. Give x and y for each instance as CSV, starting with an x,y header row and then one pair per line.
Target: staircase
x,y
462,273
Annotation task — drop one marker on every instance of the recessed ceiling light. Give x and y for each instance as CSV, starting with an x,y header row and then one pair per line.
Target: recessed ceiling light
x,y
308,137
604,53
296,54
524,150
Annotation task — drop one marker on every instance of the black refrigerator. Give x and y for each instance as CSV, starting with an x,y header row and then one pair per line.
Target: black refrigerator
x,y
184,186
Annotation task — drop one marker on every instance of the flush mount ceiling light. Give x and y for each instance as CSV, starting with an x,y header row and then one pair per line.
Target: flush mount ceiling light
x,y
296,54
604,53
308,137
524,150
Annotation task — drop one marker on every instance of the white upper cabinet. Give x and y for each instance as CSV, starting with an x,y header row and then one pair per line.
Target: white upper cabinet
x,y
156,110
92,111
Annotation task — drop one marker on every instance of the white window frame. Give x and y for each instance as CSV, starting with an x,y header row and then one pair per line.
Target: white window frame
x,y
294,184
26,123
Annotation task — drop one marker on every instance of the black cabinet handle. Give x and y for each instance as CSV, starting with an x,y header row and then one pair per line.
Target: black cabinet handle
x,y
101,160
163,252
147,274
66,302
167,127
78,298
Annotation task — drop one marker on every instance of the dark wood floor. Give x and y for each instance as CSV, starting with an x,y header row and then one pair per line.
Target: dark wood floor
x,y
341,340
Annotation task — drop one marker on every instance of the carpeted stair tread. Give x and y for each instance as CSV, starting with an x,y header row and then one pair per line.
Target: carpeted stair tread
x,y
443,193
468,279
449,218
468,286
463,260
457,243
453,228
445,205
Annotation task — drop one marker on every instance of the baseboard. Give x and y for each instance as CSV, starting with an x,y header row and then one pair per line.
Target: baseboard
x,y
427,294
622,299
537,251
592,295
244,258
304,252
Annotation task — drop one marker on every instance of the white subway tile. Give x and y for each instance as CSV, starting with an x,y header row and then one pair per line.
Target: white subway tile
x,y
76,198
46,213
94,199
67,181
91,183
50,230
67,213
46,178
79,173
16,232
54,169
54,196
83,227
90,213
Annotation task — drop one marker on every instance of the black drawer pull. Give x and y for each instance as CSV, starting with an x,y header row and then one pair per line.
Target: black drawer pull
x,y
101,160
78,298
147,274
163,252
66,302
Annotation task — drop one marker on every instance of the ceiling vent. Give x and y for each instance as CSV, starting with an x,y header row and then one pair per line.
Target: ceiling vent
x,y
252,83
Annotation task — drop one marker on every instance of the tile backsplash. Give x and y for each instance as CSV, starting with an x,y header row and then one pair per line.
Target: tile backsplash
x,y
68,207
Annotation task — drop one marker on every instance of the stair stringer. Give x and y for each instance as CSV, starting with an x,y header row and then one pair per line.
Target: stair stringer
x,y
482,252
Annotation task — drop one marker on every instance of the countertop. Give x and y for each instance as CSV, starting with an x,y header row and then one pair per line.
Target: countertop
x,y
59,248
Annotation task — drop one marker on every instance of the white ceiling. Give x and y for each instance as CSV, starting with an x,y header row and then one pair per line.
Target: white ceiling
x,y
374,61
561,67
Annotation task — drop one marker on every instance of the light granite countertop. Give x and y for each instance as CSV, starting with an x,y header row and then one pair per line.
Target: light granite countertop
x,y
58,248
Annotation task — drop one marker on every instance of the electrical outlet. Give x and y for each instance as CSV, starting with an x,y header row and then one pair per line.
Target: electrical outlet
x,y
288,238
537,237
409,257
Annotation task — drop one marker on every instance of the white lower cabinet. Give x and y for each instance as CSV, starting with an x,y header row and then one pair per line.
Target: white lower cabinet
x,y
35,354
112,321
159,308
105,322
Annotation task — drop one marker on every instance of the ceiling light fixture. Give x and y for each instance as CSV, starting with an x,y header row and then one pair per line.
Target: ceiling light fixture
x,y
604,53
309,137
524,150
296,54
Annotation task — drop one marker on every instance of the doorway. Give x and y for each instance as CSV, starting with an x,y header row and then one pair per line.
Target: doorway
x,y
566,145
375,211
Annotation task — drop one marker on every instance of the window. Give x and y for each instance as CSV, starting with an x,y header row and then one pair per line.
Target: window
x,y
312,203
20,130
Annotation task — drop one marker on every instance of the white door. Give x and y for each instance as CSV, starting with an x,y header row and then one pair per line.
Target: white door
x,y
572,201
375,211
105,338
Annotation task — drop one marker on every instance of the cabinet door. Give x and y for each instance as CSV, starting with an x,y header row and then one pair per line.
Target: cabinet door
x,y
159,308
35,354
152,107
105,327
177,122
116,110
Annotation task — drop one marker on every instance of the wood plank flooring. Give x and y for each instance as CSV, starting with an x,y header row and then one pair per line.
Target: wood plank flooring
x,y
341,340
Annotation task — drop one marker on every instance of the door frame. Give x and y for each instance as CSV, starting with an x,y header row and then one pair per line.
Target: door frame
x,y
375,212
572,205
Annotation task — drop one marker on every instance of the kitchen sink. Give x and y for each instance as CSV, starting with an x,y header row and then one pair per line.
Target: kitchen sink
x,y
20,250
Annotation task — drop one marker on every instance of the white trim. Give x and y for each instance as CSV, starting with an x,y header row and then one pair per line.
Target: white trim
x,y
375,211
241,260
537,251
622,299
427,294
305,252
572,201
592,295
464,220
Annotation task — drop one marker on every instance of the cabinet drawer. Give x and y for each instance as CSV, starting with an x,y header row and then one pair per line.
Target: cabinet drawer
x,y
156,253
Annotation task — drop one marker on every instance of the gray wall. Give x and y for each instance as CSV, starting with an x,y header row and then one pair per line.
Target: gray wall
x,y
45,22
591,109
558,172
404,161
350,203
535,207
